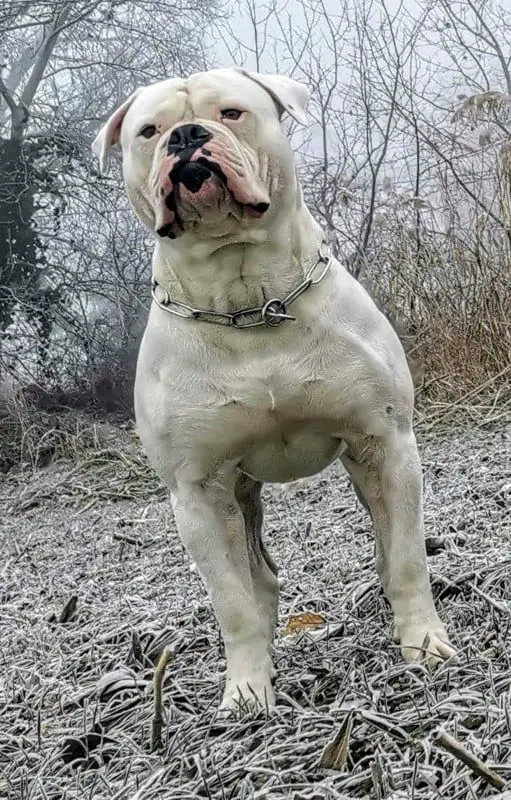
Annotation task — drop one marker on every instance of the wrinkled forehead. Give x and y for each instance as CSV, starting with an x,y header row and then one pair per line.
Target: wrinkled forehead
x,y
155,100
200,95
221,87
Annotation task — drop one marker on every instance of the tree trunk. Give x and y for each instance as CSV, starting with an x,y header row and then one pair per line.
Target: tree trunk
x,y
18,240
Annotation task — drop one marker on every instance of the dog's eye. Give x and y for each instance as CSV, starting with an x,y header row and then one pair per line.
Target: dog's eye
x,y
148,131
231,113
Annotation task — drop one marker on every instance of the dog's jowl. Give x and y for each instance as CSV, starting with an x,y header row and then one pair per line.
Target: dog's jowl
x,y
263,359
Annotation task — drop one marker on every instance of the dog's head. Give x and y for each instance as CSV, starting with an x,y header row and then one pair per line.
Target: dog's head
x,y
206,154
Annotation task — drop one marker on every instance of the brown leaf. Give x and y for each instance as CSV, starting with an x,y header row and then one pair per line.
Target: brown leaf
x,y
302,622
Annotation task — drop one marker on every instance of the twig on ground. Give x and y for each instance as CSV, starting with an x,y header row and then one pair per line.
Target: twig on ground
x,y
503,609
122,537
67,612
476,765
384,724
157,721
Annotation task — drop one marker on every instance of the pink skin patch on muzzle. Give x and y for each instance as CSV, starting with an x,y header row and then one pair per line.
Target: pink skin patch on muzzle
x,y
166,213
168,164
243,184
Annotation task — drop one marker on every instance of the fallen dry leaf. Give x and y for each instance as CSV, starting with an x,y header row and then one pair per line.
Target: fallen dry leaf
x,y
335,754
302,622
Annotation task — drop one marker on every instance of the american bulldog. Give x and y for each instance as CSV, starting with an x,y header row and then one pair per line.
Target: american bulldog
x,y
263,360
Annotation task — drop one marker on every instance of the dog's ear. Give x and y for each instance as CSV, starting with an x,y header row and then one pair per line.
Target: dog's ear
x,y
290,95
110,132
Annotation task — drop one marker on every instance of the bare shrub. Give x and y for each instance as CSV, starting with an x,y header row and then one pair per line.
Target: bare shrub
x,y
31,437
451,312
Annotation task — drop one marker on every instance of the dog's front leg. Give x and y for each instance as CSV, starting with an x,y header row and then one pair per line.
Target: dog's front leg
x,y
211,524
390,479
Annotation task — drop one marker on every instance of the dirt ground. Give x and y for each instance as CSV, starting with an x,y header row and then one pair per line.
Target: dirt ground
x,y
94,584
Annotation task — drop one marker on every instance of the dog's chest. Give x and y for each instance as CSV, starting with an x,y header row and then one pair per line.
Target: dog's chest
x,y
283,387
282,425
281,395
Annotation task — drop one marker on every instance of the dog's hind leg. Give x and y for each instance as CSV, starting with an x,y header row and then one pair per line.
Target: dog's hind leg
x,y
387,473
263,568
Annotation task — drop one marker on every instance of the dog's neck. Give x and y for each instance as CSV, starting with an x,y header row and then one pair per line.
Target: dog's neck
x,y
227,276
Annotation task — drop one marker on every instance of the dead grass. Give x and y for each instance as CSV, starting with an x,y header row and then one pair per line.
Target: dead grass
x,y
450,307
36,438
32,437
93,592
468,354
42,424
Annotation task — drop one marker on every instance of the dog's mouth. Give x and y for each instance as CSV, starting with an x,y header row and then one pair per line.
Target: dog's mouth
x,y
196,188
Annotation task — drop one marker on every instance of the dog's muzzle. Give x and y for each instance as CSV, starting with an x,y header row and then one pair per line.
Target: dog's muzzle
x,y
196,171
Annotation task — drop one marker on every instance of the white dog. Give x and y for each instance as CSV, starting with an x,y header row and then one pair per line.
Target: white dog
x,y
263,359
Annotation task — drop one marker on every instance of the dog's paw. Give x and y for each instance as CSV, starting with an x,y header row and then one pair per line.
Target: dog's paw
x,y
424,642
247,697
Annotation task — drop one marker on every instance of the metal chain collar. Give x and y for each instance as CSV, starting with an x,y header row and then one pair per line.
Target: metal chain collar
x,y
272,314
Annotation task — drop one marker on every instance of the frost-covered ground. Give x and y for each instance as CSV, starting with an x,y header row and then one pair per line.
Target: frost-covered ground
x,y
94,583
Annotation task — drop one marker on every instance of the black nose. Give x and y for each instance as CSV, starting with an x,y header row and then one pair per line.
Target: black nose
x,y
186,139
